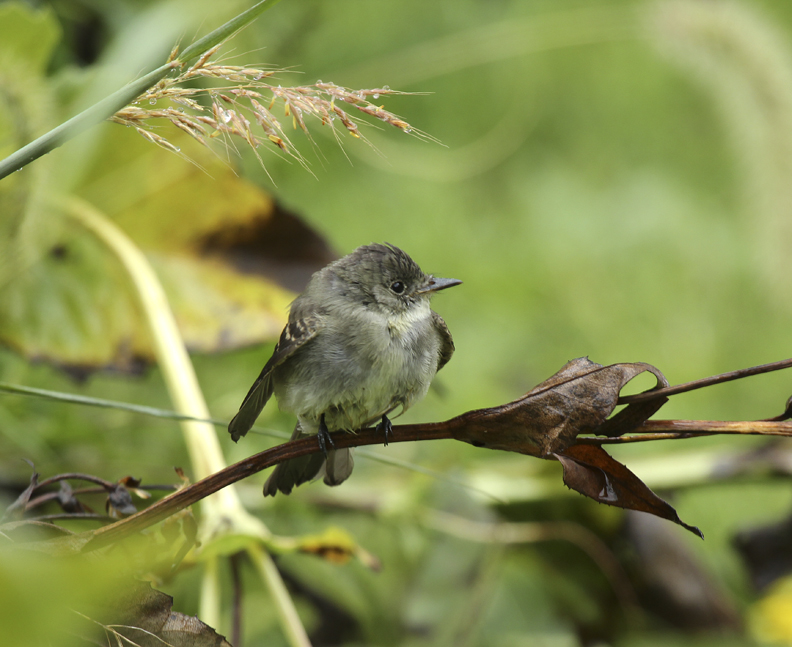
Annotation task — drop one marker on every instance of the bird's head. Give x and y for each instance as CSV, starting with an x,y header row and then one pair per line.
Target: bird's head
x,y
385,277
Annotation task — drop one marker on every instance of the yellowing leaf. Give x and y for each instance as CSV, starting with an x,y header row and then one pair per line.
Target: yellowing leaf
x,y
771,617
336,546
214,239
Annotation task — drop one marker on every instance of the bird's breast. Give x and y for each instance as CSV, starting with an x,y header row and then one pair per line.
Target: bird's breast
x,y
356,373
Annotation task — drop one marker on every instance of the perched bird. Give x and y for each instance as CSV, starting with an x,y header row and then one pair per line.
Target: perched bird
x,y
360,342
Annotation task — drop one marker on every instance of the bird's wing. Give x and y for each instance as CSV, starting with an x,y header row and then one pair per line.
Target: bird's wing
x,y
446,340
294,336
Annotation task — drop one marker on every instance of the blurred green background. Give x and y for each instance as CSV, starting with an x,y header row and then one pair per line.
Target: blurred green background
x,y
613,181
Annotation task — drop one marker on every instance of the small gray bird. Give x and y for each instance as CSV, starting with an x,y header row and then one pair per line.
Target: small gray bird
x,y
360,342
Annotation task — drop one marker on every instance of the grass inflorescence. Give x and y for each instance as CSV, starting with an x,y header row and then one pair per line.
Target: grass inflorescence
x,y
243,105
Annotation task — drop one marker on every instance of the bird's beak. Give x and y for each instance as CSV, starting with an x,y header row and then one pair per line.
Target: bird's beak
x,y
438,284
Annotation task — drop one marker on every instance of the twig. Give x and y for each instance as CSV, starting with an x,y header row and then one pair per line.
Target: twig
x,y
706,381
652,430
252,465
682,429
72,516
76,476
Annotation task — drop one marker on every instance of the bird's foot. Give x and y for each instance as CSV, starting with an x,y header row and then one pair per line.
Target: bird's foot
x,y
323,435
385,426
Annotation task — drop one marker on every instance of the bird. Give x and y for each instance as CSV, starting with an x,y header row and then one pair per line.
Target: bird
x,y
360,342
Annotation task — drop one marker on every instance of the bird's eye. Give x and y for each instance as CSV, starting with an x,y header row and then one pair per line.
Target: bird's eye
x,y
397,287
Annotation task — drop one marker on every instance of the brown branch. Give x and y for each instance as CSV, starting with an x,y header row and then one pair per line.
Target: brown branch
x,y
183,498
76,476
650,430
681,429
72,516
706,381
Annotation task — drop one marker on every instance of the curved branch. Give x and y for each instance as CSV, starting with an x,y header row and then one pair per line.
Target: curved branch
x,y
251,465
450,429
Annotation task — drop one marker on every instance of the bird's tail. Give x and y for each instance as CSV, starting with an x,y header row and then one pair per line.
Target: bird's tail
x,y
296,471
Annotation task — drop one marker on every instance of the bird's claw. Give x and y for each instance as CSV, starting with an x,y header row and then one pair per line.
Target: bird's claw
x,y
385,426
323,436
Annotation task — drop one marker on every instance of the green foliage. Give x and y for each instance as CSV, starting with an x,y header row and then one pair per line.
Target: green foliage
x,y
614,185
28,37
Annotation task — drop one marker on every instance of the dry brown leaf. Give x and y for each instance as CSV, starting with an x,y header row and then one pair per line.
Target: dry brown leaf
x,y
146,617
589,469
548,419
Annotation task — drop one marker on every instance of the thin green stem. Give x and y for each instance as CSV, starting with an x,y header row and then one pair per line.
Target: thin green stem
x,y
101,403
142,409
296,635
82,121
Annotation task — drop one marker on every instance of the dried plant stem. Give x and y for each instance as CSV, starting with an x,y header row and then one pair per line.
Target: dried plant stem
x,y
172,503
172,415
681,429
402,433
706,381
450,429
750,427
